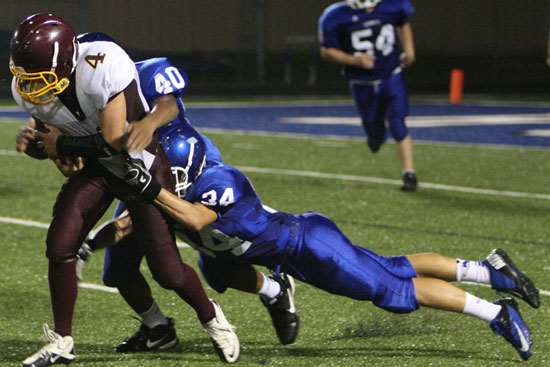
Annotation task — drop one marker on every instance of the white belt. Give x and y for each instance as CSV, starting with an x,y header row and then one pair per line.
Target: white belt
x,y
397,70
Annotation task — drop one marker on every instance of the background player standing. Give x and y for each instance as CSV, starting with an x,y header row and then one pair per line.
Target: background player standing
x,y
373,40
222,216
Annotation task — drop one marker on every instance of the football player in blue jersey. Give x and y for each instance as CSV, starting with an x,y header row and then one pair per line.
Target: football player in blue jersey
x,y
373,41
221,215
162,84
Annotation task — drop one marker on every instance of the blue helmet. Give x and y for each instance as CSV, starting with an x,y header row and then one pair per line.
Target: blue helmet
x,y
186,152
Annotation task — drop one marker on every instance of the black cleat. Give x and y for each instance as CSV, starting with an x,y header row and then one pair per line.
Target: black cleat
x,y
506,277
410,183
158,338
283,311
373,146
511,326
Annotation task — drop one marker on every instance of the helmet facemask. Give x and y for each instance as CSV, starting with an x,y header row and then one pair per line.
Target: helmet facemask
x,y
183,177
186,152
39,87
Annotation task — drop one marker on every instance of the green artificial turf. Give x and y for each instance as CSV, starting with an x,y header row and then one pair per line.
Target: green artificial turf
x,y
335,331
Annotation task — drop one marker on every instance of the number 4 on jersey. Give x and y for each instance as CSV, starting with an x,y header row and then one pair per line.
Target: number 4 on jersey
x,y
94,60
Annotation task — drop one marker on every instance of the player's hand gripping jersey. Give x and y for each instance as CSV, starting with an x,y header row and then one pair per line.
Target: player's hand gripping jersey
x,y
103,70
357,31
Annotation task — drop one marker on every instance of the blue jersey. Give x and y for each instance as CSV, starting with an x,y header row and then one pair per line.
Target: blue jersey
x,y
309,247
244,224
356,31
159,77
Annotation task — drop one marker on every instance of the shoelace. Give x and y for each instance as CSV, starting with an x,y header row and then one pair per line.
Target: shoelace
x,y
50,337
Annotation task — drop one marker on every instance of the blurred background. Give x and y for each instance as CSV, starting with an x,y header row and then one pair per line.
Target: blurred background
x,y
262,47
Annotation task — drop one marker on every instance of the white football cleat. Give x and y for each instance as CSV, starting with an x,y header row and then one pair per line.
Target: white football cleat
x,y
223,337
58,349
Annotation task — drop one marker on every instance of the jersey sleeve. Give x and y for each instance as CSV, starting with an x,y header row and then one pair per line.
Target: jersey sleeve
x,y
406,12
328,30
108,71
159,77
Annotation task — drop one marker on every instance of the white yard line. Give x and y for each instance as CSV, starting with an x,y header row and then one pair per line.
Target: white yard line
x,y
211,130
431,121
23,222
97,287
10,153
470,190
333,176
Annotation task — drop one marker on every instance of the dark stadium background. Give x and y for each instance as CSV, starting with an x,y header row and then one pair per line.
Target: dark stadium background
x,y
259,47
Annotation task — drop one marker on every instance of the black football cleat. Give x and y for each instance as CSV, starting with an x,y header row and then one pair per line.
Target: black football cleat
x,y
160,337
374,147
282,310
506,277
410,183
511,326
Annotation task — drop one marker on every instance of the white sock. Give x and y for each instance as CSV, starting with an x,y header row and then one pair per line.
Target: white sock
x,y
472,271
153,316
270,289
407,171
480,308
